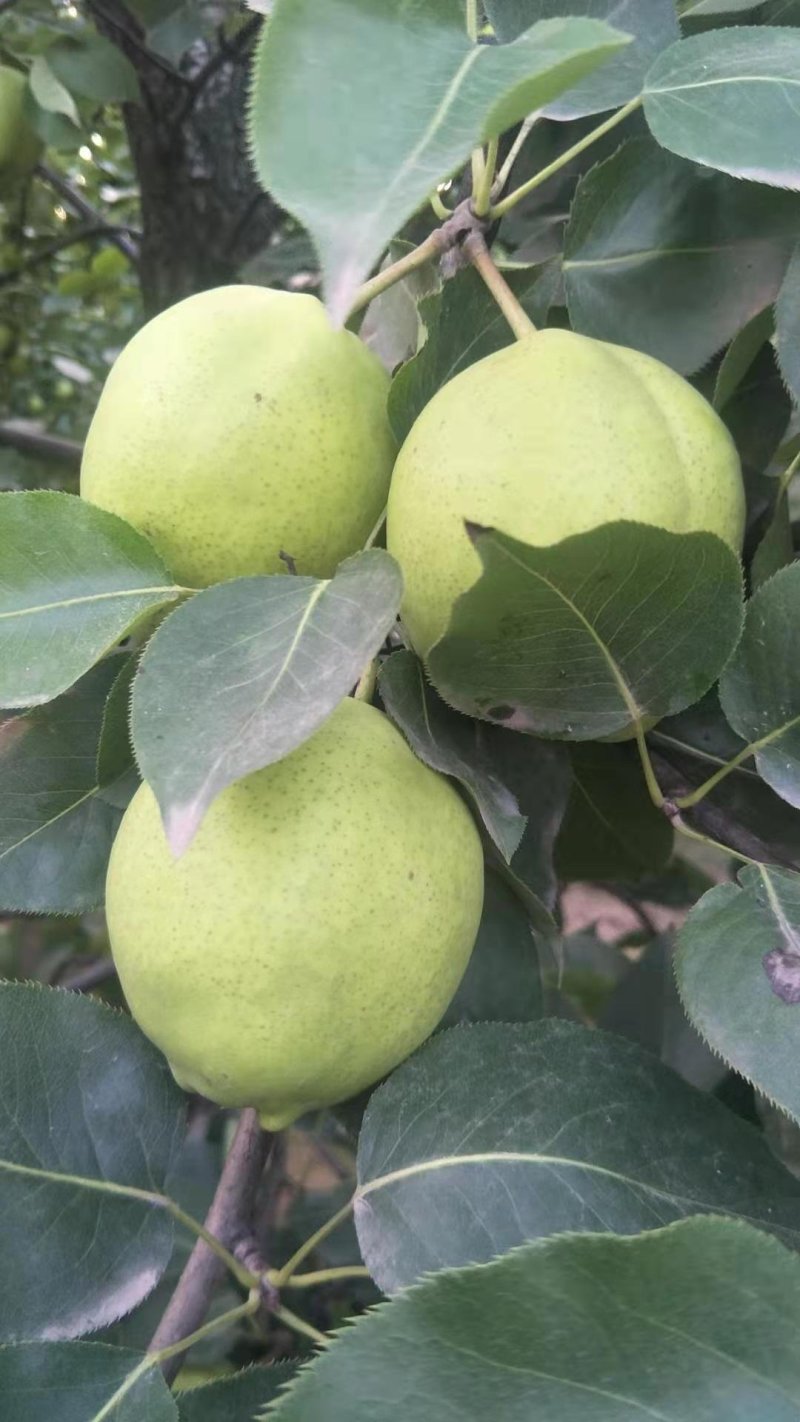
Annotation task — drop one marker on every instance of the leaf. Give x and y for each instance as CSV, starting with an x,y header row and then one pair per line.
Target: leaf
x,y
581,639
463,324
75,1381
89,1105
787,326
248,670
94,68
757,414
236,1399
652,23
728,99
361,107
741,354
760,688
73,581
391,324
737,968
671,259
776,547
698,1321
49,92
494,1134
612,829
115,750
56,828
503,980
449,743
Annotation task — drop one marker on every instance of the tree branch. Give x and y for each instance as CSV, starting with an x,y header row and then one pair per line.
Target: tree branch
x,y
230,1221
129,35
29,441
75,199
712,820
70,239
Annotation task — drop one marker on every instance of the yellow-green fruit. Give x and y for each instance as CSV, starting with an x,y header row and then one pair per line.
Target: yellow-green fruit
x,y
19,145
547,438
238,425
315,930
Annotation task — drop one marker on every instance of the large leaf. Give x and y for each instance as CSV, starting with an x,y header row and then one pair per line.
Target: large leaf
x,y
728,99
495,1134
582,639
248,670
694,1323
57,818
237,1399
611,829
95,68
671,259
760,688
75,1382
73,581
652,23
360,107
738,968
87,1106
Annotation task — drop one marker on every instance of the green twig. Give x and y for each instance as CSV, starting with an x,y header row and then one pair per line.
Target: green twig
x,y
481,258
326,1276
279,1277
427,251
706,839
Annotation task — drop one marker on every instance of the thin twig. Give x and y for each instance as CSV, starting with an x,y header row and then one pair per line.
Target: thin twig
x,y
229,1220
81,234
517,317
75,199
29,441
91,976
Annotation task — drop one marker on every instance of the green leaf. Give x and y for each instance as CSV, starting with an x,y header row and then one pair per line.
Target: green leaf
x,y
671,259
582,639
740,355
729,99
462,324
360,107
738,969
391,324
115,749
248,670
757,413
73,581
694,1323
236,1399
787,326
612,829
760,688
89,1106
76,1381
503,980
494,1134
56,827
49,93
94,68
776,547
652,23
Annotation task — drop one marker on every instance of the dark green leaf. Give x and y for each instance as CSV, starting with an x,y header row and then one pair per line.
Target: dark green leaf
x,y
236,1399
671,259
73,581
495,1134
695,1323
94,68
652,23
776,547
738,967
612,829
56,827
49,93
248,670
581,639
787,326
741,354
88,1105
757,413
503,981
75,1382
728,99
361,107
391,324
115,751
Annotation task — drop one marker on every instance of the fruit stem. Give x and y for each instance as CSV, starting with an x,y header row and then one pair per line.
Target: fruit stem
x,y
482,189
326,1276
651,779
713,843
279,1277
299,1325
518,319
505,205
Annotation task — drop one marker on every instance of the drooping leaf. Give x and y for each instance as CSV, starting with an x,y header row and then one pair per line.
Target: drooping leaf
x,y
56,824
495,1134
787,326
652,23
581,639
611,829
503,982
77,1381
776,546
49,92
740,355
88,1105
671,259
738,968
697,1321
728,99
760,688
237,1399
73,581
245,672
391,324
360,107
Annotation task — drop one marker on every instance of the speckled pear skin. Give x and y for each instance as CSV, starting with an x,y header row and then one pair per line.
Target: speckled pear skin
x,y
315,930
239,424
20,146
552,436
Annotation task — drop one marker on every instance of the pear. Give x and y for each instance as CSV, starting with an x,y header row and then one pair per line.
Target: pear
x,y
314,932
239,425
19,145
550,437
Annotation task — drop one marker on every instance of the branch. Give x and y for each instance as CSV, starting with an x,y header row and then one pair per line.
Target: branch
x,y
128,35
481,258
75,199
35,442
229,1220
71,239
711,819
228,50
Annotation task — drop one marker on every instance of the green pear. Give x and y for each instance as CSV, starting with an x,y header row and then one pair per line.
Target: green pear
x,y
238,425
315,930
19,144
550,437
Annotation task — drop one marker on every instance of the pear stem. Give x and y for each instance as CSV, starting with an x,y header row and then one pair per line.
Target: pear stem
x,y
518,319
